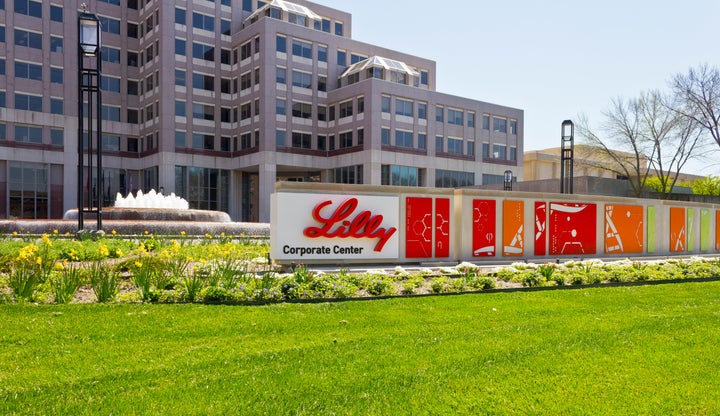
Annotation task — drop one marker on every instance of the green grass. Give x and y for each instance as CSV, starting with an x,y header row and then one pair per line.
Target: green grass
x,y
623,350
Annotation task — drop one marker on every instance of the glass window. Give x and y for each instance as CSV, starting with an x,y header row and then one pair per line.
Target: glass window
x,y
2,66
301,79
109,83
455,145
346,109
439,144
2,34
3,132
132,30
422,111
203,82
28,39
180,47
203,112
422,141
132,59
180,77
321,113
424,77
513,127
109,54
301,140
471,148
403,107
301,110
132,87
341,57
28,71
385,136
471,120
280,138
29,7
486,122
109,25
346,139
403,138
204,22
57,137
513,153
499,151
56,44
322,142
247,5
453,179
322,53
110,113
180,108
302,49
322,83
385,104
325,26
56,13
111,142
180,16
28,102
339,28
202,51
399,175
56,105
455,117
245,50
280,75
180,138
349,174
225,27
500,125
439,113
132,116
280,107
361,104
486,150
281,43
28,134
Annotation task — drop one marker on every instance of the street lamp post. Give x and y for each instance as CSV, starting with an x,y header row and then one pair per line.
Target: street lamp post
x,y
566,156
508,177
90,134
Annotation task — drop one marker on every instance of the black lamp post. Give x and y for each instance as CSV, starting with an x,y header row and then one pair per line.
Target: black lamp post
x,y
90,134
566,156
508,177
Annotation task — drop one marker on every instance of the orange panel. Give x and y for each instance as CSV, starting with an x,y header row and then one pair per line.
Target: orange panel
x,y
677,229
513,232
624,229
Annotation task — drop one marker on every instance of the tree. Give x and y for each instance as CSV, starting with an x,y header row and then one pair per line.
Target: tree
x,y
697,97
643,136
707,186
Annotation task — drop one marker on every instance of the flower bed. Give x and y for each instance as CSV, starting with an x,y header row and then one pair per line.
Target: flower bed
x,y
235,269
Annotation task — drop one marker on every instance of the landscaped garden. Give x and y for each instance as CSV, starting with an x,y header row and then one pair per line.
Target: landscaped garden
x,y
54,268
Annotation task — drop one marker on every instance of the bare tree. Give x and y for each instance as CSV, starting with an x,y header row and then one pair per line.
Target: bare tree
x,y
697,97
641,137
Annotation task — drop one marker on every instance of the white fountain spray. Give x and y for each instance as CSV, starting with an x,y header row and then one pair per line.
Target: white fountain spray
x,y
151,200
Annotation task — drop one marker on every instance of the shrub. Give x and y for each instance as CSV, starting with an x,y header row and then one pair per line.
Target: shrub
x,y
66,283
440,284
104,281
378,285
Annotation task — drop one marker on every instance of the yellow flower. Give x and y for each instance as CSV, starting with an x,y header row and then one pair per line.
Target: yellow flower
x,y
55,231
103,250
146,232
39,261
118,252
182,233
14,233
207,235
59,266
138,264
222,234
46,239
113,232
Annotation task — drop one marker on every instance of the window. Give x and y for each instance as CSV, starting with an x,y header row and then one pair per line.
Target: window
x,y
399,175
301,140
3,132
245,111
149,113
246,141
500,125
56,13
455,117
202,51
331,113
29,7
422,141
424,77
132,116
180,16
29,71
355,58
110,84
57,137
322,113
439,144
2,33
353,78
403,107
56,44
376,72
56,106
109,25
322,53
339,28
2,66
346,139
439,112
28,134
180,108
331,142
322,142
225,85
361,137
113,2
257,75
398,77
471,120
204,22
341,58
203,112
322,83
245,81
302,110
180,138
280,138
109,54
346,109
361,104
403,138
385,136
224,115
301,79
132,87
29,39
245,51
422,111
325,25
149,23
302,49
149,84
499,151
180,47
28,102
180,79
280,107
111,142
385,104
349,174
513,153
486,150
281,44
225,27
455,145
132,59
133,145
471,148
453,179
486,122
132,30
203,141
513,127
203,82
280,75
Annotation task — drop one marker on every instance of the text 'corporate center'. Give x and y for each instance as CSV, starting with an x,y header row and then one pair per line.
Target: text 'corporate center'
x,y
218,100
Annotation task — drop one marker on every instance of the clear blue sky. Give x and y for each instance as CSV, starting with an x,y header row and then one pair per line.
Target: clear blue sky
x,y
552,59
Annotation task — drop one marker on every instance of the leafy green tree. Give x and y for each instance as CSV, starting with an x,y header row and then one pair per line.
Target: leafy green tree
x,y
707,186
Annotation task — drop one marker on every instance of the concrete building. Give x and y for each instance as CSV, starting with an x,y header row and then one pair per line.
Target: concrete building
x,y
218,100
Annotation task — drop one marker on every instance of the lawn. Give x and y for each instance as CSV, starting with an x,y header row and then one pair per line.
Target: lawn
x,y
612,350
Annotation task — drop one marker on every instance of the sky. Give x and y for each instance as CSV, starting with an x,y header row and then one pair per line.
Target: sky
x,y
553,59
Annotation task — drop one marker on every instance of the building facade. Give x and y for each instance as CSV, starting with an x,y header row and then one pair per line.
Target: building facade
x,y
218,100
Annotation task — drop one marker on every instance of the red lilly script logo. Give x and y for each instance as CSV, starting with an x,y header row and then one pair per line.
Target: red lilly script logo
x,y
363,225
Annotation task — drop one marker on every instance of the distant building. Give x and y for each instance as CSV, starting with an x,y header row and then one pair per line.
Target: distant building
x,y
218,100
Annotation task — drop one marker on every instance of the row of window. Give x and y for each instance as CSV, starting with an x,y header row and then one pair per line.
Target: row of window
x,y
32,102
323,24
302,109
499,151
303,140
32,134
34,8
